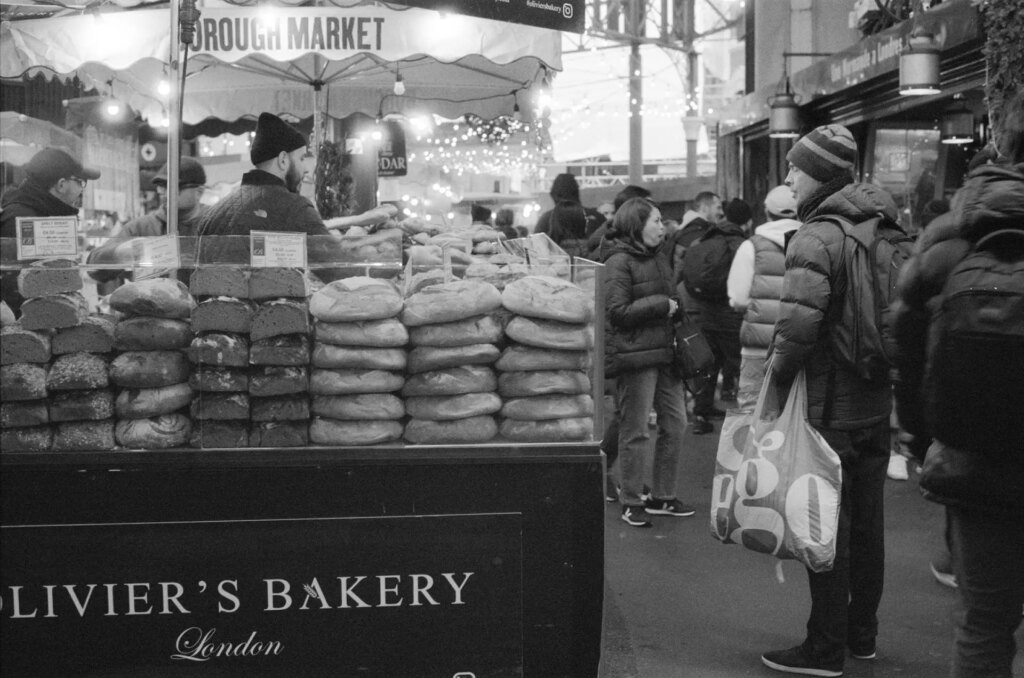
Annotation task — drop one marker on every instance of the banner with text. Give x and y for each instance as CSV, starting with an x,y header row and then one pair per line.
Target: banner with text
x,y
560,15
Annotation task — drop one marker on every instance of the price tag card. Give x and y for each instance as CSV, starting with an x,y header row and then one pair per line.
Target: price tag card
x,y
155,256
275,249
42,237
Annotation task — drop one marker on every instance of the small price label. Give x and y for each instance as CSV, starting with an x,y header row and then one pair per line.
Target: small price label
x,y
275,249
155,256
42,237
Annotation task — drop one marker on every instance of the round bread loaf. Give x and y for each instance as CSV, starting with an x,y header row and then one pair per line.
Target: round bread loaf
x,y
149,369
279,434
90,405
452,381
542,382
519,358
340,382
550,334
445,408
23,381
48,277
154,433
6,315
274,282
359,406
219,379
481,329
220,349
356,357
18,345
539,296
293,407
272,380
145,333
159,297
94,335
139,403
432,358
72,436
219,434
547,431
19,414
536,408
221,406
449,302
459,431
354,299
287,349
74,371
367,432
54,312
28,439
424,279
223,314
279,317
216,281
384,333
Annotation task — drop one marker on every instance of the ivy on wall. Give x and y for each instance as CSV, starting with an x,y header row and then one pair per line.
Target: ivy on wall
x,y
1004,53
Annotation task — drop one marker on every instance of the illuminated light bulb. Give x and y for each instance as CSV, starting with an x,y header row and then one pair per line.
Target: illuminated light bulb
x,y
399,86
377,135
113,109
163,88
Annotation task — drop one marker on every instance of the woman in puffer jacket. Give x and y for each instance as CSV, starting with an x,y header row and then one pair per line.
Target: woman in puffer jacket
x,y
640,306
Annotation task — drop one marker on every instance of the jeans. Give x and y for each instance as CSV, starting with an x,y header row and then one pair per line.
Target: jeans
x,y
988,559
844,601
637,392
725,345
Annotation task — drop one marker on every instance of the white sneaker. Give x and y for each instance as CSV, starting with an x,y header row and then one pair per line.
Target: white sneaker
x,y
897,467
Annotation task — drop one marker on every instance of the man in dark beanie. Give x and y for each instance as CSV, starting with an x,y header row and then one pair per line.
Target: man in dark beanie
x,y
268,200
53,187
851,413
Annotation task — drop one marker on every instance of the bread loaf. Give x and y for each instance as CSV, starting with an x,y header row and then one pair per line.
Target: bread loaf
x,y
536,408
217,281
91,405
158,297
424,279
28,439
154,433
6,314
94,335
359,406
288,349
223,314
547,431
481,329
458,432
542,382
48,277
23,381
280,408
384,333
273,283
550,334
432,358
222,406
278,317
367,432
342,382
519,358
74,436
279,434
74,371
219,379
219,434
547,297
22,413
449,302
54,312
354,357
146,333
18,345
139,403
149,369
273,380
451,381
355,299
445,408
220,349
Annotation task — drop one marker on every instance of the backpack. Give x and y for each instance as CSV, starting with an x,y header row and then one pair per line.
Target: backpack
x,y
706,264
973,380
874,252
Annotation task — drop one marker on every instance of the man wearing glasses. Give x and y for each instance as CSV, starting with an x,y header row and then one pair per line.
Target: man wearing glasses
x,y
53,187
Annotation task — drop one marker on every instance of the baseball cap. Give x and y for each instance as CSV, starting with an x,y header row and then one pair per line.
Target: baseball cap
x,y
52,164
190,174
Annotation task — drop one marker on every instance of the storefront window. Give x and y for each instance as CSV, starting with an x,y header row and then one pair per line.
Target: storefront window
x,y
903,162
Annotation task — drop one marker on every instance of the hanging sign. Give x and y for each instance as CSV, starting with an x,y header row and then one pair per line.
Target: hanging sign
x,y
42,237
272,249
391,161
560,15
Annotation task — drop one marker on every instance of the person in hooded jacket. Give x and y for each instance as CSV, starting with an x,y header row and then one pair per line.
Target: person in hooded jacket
x,y
564,188
755,285
982,487
852,414
640,309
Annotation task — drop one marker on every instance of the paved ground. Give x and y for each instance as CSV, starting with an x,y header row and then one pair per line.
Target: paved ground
x,y
678,603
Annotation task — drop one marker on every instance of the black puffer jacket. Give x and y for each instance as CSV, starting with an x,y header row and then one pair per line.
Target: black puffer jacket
x,y
992,199
638,331
814,266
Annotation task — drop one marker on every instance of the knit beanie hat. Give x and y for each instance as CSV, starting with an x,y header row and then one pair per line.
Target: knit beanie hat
x,y
273,135
737,211
780,202
825,153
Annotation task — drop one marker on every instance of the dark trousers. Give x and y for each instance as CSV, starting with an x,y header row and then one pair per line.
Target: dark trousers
x,y
844,601
988,559
725,345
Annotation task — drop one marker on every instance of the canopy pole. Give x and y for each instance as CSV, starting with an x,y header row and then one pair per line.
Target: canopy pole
x,y
318,105
174,126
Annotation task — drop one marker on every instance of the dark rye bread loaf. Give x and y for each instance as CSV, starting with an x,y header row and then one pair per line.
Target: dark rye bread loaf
x,y
519,358
146,333
324,431
74,371
342,382
223,314
542,382
451,381
223,406
219,434
273,380
91,405
548,430
547,297
279,434
54,312
443,408
23,381
274,282
220,349
49,277
219,379
287,349
359,406
18,345
94,335
457,432
153,433
449,302
357,357
280,316
216,281
139,403
384,333
431,358
150,369
550,334
481,329
280,408
536,408
28,439
22,413
158,297
355,299
74,436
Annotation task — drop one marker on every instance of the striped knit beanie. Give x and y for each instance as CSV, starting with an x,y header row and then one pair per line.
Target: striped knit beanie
x,y
825,153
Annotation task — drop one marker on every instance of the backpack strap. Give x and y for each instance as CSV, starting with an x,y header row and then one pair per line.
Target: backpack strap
x,y
986,241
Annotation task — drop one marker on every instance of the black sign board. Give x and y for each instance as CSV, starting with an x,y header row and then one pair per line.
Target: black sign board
x,y
391,161
289,597
560,15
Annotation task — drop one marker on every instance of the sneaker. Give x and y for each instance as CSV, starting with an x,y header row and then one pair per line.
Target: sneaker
x,y
942,570
701,425
897,467
795,660
863,651
668,507
611,490
636,516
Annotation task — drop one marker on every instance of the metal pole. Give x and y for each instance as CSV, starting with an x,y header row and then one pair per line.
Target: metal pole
x,y
174,127
636,95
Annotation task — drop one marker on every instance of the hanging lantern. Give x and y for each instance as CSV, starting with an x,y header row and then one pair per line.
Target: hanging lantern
x,y
784,115
957,124
919,65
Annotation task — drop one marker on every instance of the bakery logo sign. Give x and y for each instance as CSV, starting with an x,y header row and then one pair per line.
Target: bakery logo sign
x,y
391,159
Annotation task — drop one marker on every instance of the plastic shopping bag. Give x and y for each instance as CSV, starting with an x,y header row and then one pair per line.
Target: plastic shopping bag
x,y
777,482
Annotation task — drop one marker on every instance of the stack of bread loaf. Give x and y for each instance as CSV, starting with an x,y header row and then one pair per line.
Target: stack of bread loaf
x,y
455,329
24,411
543,372
151,368
359,360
